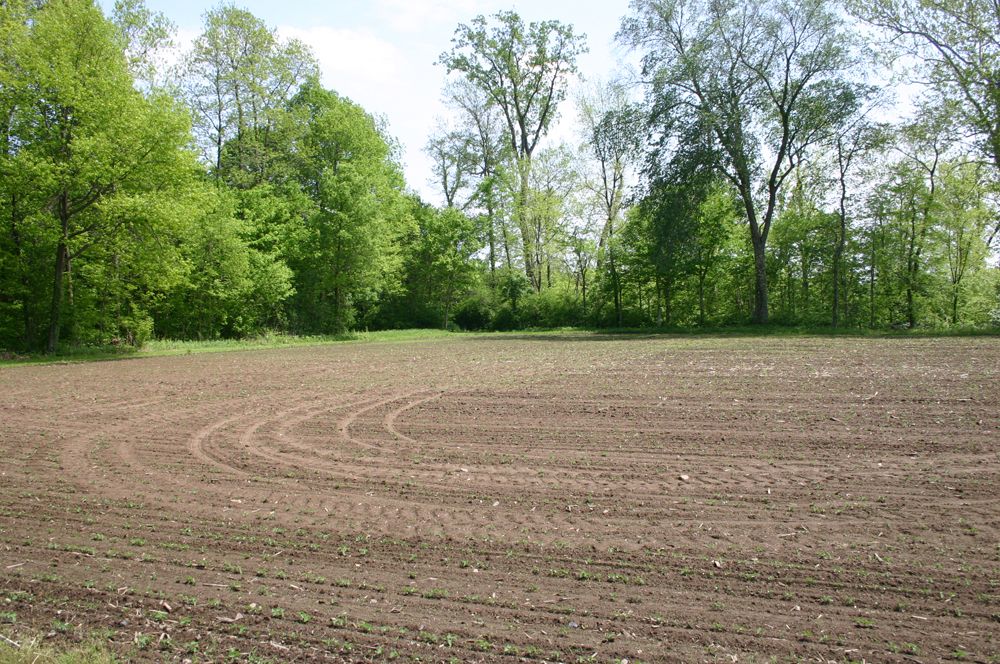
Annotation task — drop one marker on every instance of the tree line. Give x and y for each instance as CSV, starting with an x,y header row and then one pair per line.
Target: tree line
x,y
746,173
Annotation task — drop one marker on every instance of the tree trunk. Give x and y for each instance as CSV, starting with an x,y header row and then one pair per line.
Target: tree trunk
x,y
659,307
62,256
668,309
871,283
838,254
617,288
847,299
845,155
506,244
760,282
805,277
871,297
62,262
758,238
527,239
701,299
492,241
338,321
911,276
911,314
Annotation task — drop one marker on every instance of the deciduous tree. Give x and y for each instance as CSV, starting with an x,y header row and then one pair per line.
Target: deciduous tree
x,y
524,70
347,251
766,79
82,141
238,78
614,127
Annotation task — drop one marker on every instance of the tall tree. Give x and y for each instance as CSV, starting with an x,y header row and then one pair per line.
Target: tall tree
x,y
924,145
552,184
347,252
614,126
87,142
669,217
766,79
583,254
524,70
482,126
957,44
857,138
238,78
964,219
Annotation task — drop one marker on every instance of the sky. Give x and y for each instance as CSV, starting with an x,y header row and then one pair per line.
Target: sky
x,y
382,53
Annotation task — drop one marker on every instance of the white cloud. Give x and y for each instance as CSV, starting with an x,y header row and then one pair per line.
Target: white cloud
x,y
349,55
415,16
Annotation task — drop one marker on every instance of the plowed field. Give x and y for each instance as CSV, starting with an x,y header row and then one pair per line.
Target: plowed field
x,y
563,498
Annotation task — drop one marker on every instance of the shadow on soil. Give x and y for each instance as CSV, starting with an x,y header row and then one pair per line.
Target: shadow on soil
x,y
617,334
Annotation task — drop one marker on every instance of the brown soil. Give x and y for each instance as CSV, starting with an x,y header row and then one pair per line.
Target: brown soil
x,y
507,499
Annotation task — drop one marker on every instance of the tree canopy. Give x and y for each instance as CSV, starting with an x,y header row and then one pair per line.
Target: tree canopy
x,y
752,171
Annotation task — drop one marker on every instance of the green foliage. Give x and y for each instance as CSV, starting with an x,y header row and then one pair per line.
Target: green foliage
x,y
229,288
763,102
676,243
523,70
550,308
88,167
345,252
439,265
295,219
142,34
238,79
955,43
475,312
